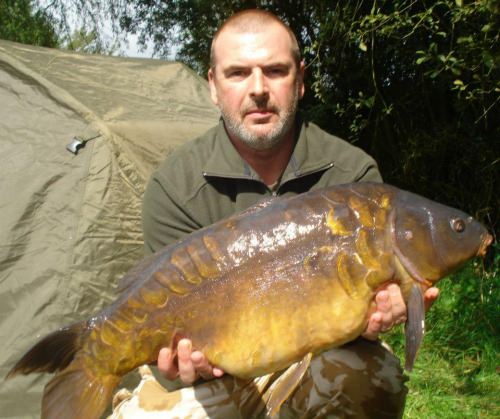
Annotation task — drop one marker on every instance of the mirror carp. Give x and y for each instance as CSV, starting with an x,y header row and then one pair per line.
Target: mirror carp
x,y
262,290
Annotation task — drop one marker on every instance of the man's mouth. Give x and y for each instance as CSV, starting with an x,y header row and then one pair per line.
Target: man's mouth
x,y
260,115
259,112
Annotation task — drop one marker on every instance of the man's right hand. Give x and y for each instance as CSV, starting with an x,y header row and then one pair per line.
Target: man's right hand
x,y
188,365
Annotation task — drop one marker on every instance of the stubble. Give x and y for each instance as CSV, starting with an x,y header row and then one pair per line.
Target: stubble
x,y
256,140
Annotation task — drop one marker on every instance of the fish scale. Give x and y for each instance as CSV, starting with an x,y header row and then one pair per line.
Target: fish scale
x,y
261,290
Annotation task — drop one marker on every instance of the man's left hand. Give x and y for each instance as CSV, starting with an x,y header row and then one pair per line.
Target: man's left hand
x,y
189,365
391,310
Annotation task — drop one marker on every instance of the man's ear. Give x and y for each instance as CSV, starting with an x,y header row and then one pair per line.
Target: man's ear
x,y
211,84
300,77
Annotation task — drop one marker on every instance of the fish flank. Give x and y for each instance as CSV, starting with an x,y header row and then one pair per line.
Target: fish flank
x,y
213,248
182,261
173,282
365,252
157,297
361,210
202,260
344,275
335,224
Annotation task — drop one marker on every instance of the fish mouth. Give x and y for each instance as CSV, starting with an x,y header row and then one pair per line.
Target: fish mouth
x,y
485,244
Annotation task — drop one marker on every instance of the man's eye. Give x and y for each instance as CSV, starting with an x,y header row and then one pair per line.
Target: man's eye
x,y
236,74
276,71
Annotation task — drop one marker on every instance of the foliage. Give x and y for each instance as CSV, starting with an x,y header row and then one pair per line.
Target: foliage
x,y
89,42
97,30
21,21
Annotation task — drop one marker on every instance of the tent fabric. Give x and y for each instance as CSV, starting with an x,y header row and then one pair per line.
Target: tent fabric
x,y
70,223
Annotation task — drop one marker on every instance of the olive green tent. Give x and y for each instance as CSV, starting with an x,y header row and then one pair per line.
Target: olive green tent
x,y
79,137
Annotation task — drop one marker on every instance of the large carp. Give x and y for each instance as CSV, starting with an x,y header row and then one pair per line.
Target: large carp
x,y
261,290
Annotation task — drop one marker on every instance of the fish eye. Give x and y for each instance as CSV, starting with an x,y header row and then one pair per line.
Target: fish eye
x,y
458,225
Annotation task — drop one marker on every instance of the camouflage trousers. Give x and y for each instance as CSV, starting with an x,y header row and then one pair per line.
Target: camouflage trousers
x,y
359,380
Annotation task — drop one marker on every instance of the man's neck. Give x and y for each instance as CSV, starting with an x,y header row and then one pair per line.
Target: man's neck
x,y
271,163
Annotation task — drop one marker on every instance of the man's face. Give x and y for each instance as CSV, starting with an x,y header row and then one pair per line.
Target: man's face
x,y
256,84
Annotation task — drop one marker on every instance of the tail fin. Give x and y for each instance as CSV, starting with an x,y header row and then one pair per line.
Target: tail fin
x,y
53,353
78,393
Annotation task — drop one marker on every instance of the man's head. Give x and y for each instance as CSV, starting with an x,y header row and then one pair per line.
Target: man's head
x,y
256,78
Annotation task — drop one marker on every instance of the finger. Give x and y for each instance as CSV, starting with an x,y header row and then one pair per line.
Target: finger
x,y
217,372
166,366
387,322
187,372
383,302
430,296
374,326
204,368
384,308
398,306
380,317
201,365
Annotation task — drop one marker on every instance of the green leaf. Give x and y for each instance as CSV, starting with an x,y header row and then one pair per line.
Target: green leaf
x,y
464,39
422,60
363,47
434,74
369,102
488,60
486,28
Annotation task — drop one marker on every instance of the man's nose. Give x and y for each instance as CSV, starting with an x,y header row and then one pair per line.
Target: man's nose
x,y
258,84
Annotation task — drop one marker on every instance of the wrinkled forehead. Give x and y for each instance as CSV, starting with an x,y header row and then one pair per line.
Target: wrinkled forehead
x,y
254,45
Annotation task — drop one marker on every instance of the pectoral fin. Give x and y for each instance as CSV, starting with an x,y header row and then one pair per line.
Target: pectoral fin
x,y
281,389
415,326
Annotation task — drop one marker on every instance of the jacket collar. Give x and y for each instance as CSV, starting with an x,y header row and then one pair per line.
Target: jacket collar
x,y
224,160
307,157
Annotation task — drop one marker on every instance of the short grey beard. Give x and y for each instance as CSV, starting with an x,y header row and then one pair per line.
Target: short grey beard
x,y
262,142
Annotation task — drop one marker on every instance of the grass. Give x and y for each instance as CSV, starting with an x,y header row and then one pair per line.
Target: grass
x,y
443,389
457,372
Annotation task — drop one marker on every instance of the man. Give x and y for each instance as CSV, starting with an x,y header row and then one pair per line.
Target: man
x,y
262,148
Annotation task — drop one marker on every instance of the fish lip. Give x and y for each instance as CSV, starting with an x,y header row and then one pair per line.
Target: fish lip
x,y
485,244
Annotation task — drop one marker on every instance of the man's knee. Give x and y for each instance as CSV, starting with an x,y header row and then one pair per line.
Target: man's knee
x,y
360,379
